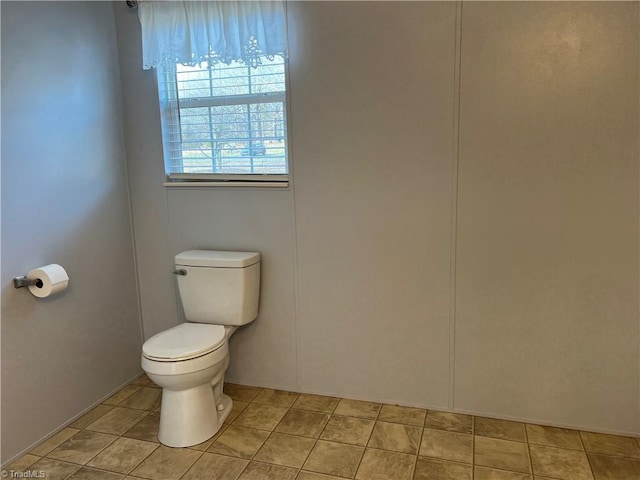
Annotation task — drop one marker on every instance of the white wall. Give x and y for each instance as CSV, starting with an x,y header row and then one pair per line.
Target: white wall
x,y
547,277
399,269
64,200
372,136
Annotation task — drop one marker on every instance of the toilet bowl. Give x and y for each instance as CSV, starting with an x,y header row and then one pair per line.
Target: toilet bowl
x,y
188,361
220,291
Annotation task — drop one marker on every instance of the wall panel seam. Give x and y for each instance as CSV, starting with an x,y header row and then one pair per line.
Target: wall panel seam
x,y
454,200
294,224
121,108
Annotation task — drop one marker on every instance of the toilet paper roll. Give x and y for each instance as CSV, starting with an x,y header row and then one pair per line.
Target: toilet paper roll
x,y
53,279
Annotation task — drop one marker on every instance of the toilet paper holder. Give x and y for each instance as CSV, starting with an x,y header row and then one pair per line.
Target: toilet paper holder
x,y
19,282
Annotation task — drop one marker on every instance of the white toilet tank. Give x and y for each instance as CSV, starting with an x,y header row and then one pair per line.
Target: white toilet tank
x,y
217,287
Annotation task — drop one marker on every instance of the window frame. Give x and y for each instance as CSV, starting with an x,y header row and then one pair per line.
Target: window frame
x,y
171,133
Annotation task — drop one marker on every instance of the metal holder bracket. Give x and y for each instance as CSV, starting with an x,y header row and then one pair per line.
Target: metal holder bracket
x,y
19,282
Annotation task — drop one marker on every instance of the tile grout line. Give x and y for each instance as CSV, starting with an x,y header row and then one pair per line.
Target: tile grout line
x,y
526,437
192,465
593,475
317,439
333,441
473,446
415,464
368,440
236,418
270,432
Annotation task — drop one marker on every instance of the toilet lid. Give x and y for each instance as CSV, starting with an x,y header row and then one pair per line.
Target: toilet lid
x,y
187,340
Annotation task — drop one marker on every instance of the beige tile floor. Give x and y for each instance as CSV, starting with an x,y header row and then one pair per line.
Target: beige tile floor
x,y
280,435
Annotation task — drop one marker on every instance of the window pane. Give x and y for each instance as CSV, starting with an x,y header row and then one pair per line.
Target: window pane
x,y
246,138
193,82
230,79
235,79
268,77
222,122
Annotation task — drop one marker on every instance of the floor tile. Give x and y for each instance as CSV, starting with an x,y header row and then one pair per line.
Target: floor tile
x,y
358,408
264,471
85,473
82,447
144,399
54,441
351,430
53,469
262,417
605,467
216,467
286,450
117,421
279,398
271,433
452,422
610,445
303,422
456,447
554,437
123,455
122,395
335,459
91,416
166,463
241,392
142,380
560,463
384,465
503,429
404,415
22,463
502,454
317,403
483,473
396,437
239,442
146,429
236,408
436,469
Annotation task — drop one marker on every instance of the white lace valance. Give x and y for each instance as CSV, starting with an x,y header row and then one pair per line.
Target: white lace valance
x,y
192,32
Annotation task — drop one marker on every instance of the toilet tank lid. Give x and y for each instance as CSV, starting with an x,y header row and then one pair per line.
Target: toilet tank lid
x,y
217,258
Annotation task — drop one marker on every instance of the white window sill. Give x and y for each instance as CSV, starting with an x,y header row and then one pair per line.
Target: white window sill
x,y
230,181
228,184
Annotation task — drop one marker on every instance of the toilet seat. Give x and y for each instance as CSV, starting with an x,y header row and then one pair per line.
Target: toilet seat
x,y
184,342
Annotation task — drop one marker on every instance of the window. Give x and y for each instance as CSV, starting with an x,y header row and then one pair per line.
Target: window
x,y
221,68
225,122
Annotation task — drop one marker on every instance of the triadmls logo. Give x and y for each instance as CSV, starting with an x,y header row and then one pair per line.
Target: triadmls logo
x,y
23,474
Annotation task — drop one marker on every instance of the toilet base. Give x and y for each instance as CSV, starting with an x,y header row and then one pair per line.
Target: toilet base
x,y
189,417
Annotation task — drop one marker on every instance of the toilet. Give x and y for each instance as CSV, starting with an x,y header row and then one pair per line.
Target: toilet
x,y
219,292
